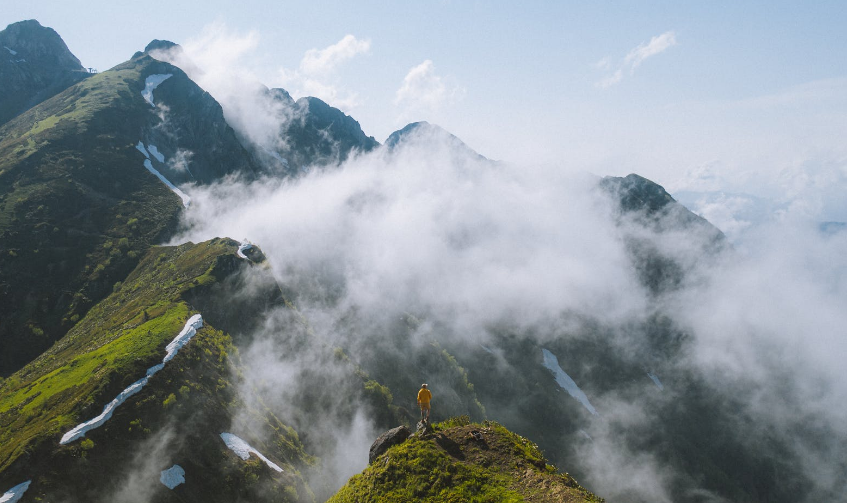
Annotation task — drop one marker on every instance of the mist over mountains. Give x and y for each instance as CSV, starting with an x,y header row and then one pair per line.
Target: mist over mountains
x,y
644,352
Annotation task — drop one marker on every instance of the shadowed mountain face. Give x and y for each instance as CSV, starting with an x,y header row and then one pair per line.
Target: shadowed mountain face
x,y
35,64
315,135
646,204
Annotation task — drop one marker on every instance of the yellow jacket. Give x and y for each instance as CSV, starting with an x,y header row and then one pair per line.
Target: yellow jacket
x,y
424,395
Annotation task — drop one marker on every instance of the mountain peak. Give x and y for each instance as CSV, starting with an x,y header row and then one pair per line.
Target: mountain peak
x,y
160,45
30,41
422,130
457,460
35,64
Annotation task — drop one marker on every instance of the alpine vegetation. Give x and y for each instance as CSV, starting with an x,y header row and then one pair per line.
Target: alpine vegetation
x,y
179,341
581,336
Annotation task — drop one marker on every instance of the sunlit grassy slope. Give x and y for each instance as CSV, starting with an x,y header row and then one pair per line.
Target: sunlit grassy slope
x,y
454,465
191,401
77,207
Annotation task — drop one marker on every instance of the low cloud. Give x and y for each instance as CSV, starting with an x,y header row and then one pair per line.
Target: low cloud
x,y
315,76
323,61
427,231
216,61
424,91
634,58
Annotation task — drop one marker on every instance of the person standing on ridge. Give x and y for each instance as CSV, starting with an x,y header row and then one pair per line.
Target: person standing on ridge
x,y
424,396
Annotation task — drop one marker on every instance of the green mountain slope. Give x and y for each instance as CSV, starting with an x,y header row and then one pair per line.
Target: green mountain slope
x,y
178,416
77,205
463,462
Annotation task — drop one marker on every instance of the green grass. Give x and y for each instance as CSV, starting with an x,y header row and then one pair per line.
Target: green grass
x,y
419,470
110,347
117,354
71,180
453,466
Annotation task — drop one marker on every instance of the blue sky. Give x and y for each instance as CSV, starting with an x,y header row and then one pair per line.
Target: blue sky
x,y
742,97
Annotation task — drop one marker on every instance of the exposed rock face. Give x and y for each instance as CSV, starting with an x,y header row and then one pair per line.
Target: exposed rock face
x,y
35,64
315,134
390,438
423,429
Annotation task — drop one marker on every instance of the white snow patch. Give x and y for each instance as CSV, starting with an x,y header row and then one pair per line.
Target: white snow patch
x,y
190,329
186,201
155,153
565,381
14,494
141,149
152,83
656,380
81,429
278,157
245,245
13,53
585,434
486,348
243,450
179,341
172,477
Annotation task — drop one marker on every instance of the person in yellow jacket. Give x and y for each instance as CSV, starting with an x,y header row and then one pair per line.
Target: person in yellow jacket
x,y
424,397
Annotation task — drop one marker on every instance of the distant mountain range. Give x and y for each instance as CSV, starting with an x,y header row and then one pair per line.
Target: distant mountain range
x,y
100,334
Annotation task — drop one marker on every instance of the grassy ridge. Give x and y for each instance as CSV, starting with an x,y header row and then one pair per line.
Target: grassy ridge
x,y
454,465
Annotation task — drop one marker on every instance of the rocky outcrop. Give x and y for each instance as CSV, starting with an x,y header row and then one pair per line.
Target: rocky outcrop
x,y
390,438
423,429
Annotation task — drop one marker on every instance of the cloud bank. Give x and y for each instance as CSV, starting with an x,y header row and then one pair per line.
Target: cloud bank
x,y
634,58
315,75
424,91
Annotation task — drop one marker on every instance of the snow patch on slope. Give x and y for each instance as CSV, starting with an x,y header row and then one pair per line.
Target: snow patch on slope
x,y
14,494
186,201
243,450
656,380
155,153
245,245
188,331
172,477
276,156
152,82
141,149
565,381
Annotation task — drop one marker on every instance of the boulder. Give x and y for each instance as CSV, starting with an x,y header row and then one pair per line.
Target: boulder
x,y
390,438
423,429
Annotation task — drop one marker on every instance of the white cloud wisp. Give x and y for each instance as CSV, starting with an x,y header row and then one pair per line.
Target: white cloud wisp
x,y
634,58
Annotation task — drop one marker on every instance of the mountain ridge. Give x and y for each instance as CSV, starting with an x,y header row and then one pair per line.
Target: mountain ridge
x,y
89,301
